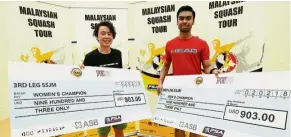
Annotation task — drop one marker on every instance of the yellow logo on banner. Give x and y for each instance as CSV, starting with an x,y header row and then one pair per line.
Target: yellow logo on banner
x,y
24,58
154,52
39,56
151,66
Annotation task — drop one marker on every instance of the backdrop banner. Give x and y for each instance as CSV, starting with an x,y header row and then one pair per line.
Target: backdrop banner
x,y
43,33
37,32
235,34
85,21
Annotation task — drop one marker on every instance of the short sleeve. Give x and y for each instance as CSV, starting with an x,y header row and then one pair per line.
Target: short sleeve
x,y
168,55
120,60
118,54
205,52
86,61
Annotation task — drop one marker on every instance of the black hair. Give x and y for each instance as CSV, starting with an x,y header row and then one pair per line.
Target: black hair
x,y
107,24
186,8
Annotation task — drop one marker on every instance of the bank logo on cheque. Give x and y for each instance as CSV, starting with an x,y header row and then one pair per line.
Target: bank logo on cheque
x,y
198,80
76,72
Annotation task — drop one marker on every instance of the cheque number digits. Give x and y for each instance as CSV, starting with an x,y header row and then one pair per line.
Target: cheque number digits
x,y
267,93
132,99
127,84
256,116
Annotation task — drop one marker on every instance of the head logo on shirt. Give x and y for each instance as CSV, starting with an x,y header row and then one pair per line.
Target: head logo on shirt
x,y
185,50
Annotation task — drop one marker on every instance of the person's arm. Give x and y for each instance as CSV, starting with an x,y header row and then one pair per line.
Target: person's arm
x,y
165,69
207,66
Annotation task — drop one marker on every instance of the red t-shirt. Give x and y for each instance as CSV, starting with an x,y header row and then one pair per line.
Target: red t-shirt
x,y
187,55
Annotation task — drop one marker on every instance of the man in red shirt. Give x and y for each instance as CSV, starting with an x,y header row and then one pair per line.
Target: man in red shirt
x,y
187,53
